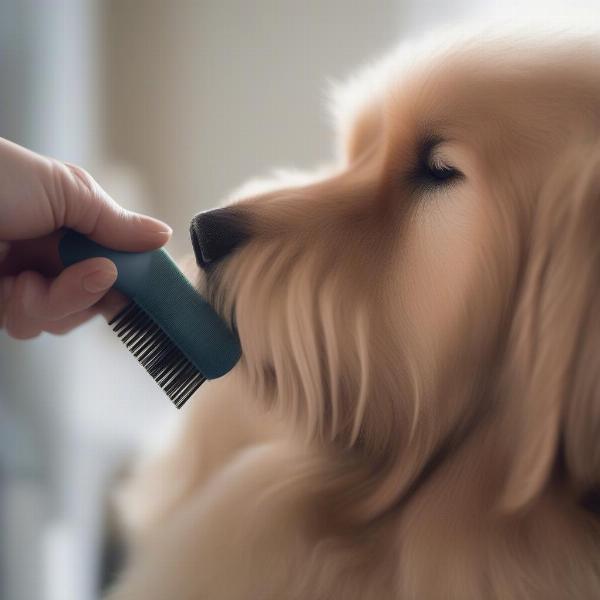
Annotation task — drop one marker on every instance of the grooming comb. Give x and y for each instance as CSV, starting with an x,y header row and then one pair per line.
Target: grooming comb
x,y
173,332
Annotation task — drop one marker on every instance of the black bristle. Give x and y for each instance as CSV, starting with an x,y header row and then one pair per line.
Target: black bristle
x,y
155,351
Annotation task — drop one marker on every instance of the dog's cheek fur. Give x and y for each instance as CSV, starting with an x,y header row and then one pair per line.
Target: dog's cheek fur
x,y
302,319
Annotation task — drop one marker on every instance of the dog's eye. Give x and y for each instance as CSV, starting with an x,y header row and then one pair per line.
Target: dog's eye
x,y
433,169
439,171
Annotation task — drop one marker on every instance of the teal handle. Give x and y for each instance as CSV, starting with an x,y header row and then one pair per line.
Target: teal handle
x,y
134,268
155,283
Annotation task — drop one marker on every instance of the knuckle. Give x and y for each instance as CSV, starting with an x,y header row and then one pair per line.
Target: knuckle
x,y
57,328
83,180
87,186
78,195
57,194
18,326
23,291
29,296
23,333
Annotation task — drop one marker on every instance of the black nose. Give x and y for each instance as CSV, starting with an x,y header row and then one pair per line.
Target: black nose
x,y
216,233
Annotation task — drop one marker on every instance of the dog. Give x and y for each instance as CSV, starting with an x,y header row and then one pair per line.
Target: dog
x,y
416,414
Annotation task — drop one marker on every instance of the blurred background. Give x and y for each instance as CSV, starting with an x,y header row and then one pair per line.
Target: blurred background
x,y
170,105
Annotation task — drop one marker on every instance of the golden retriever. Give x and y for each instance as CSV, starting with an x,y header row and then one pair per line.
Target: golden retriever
x,y
416,415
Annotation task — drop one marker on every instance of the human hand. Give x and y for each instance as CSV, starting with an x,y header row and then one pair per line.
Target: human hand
x,y
38,197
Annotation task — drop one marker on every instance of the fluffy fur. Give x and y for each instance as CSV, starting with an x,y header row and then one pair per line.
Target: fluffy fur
x,y
417,411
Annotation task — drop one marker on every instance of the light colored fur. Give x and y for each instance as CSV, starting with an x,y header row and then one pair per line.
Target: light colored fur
x,y
417,411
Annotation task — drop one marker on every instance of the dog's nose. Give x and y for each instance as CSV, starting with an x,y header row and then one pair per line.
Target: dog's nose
x,y
216,233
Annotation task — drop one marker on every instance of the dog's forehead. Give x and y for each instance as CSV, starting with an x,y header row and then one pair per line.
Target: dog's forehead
x,y
458,81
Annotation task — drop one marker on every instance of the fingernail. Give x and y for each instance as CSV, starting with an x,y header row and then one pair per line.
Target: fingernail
x,y
158,227
99,281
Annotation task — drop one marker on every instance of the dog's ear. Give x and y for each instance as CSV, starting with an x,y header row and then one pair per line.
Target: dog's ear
x,y
553,402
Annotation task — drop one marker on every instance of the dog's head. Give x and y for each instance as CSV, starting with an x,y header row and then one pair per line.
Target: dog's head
x,y
444,271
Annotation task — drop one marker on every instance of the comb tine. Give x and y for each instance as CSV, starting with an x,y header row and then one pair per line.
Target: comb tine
x,y
139,324
121,317
186,386
157,353
148,344
136,347
183,396
165,378
179,378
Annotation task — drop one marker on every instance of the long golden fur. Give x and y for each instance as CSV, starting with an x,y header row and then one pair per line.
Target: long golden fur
x,y
417,411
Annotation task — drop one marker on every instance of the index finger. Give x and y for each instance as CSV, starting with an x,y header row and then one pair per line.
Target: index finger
x,y
39,195
91,211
